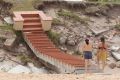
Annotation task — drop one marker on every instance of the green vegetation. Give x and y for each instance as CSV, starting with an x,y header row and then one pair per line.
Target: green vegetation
x,y
105,1
37,3
22,5
77,53
70,15
24,58
117,27
54,36
56,22
6,27
20,37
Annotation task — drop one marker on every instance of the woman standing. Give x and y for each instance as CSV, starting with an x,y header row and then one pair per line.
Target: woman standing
x,y
102,53
87,50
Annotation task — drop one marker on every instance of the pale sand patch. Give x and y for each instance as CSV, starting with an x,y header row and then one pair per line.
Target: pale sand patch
x,y
6,76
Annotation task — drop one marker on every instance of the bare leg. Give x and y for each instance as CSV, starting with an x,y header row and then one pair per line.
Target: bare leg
x,y
89,63
86,65
103,65
98,61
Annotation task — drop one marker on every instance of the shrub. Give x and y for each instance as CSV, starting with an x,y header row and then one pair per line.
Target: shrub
x,y
56,22
117,27
71,15
24,59
20,37
78,53
53,36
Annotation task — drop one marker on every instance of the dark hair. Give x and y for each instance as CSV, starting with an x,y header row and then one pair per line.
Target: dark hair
x,y
102,39
87,41
103,42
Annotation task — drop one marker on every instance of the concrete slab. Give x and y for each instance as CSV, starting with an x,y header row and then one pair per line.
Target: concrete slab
x,y
9,42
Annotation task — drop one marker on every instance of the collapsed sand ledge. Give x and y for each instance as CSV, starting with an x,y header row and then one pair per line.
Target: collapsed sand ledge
x,y
7,76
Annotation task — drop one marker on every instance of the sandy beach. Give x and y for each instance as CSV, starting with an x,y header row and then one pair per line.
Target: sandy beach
x,y
58,77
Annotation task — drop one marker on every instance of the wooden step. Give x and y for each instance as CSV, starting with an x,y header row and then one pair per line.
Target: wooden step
x,y
29,15
35,34
35,23
39,31
36,40
36,37
54,51
41,39
42,42
32,24
48,49
31,29
29,19
43,45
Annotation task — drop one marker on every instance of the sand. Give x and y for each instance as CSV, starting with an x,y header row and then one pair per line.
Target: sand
x,y
6,76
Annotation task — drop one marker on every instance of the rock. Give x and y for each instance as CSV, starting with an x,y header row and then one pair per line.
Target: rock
x,y
8,20
38,5
19,69
1,22
112,65
1,44
71,41
5,34
104,9
9,43
116,55
2,55
2,59
22,49
35,69
92,10
5,68
63,49
118,64
115,47
62,40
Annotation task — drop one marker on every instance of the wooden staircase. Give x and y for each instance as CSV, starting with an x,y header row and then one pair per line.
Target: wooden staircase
x,y
44,48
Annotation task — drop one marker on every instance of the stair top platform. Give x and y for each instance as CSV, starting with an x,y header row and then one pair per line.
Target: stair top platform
x,y
18,15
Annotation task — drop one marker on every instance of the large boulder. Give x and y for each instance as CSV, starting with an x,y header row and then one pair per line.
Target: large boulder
x,y
112,65
92,10
62,40
22,49
9,43
36,70
104,9
8,20
71,40
19,69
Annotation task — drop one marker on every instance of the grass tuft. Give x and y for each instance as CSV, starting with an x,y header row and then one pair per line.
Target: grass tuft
x,y
54,37
70,15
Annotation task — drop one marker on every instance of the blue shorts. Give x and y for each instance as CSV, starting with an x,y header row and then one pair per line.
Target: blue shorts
x,y
87,54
